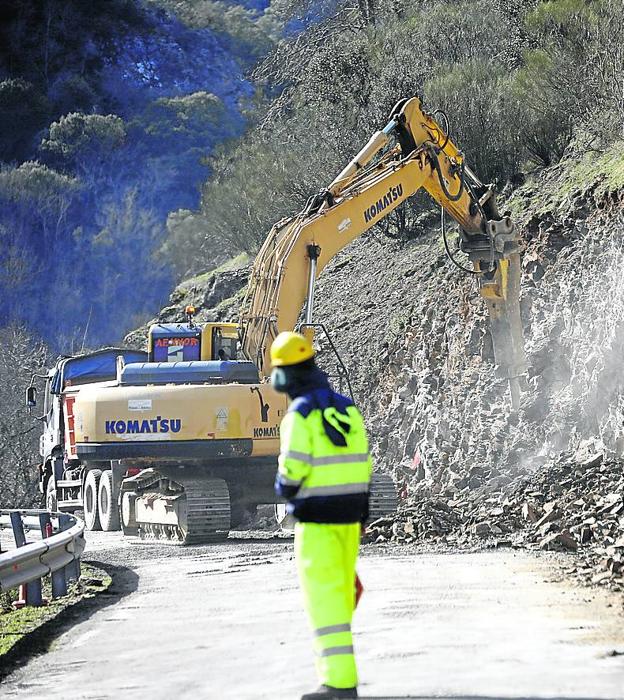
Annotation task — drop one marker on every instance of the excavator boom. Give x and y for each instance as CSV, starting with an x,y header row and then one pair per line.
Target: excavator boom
x,y
411,153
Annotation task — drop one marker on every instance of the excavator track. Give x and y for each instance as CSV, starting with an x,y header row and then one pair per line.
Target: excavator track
x,y
207,511
383,498
383,501
188,510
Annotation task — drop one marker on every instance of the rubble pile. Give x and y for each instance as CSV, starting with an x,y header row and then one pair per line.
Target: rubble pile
x,y
469,469
567,505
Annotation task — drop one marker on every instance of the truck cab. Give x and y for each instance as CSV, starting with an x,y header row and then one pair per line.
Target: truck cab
x,y
56,443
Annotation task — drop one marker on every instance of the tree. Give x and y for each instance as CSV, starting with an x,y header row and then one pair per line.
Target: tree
x,y
81,141
22,355
478,96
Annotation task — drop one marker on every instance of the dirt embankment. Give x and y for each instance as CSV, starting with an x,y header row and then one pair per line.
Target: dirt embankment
x,y
216,296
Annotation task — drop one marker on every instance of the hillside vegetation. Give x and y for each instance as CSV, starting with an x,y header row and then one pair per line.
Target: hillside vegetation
x,y
518,79
108,111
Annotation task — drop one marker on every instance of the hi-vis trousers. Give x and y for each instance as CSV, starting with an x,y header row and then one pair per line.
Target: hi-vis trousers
x,y
326,557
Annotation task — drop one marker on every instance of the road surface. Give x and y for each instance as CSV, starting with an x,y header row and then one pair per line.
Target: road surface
x,y
225,621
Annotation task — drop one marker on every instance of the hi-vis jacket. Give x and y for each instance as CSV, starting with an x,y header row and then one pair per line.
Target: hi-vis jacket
x,y
324,465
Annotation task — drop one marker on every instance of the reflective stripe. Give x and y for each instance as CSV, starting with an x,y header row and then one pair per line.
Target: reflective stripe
x,y
288,482
334,651
329,459
338,490
300,456
339,459
331,629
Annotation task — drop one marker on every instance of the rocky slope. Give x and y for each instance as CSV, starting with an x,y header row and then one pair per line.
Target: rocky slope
x,y
413,333
216,296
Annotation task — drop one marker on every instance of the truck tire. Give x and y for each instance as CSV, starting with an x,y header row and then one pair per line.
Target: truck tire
x,y
51,502
107,503
90,500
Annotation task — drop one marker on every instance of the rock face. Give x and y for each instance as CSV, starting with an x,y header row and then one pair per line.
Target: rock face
x,y
216,296
413,333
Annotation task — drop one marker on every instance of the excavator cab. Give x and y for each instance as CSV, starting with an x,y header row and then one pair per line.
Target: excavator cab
x,y
223,341
184,342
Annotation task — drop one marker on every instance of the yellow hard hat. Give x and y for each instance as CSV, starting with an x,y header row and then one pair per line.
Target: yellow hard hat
x,y
290,349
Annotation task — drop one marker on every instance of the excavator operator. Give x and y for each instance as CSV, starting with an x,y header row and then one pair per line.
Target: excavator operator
x,y
324,474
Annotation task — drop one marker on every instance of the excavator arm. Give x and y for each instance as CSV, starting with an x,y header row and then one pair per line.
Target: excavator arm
x,y
412,152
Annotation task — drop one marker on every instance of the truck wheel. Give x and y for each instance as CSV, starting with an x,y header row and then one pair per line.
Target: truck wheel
x,y
90,500
51,502
107,503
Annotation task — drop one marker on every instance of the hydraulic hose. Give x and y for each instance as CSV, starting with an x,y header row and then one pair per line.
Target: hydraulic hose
x,y
447,194
448,249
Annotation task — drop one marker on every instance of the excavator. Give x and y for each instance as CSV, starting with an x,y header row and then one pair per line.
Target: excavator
x,y
176,442
412,152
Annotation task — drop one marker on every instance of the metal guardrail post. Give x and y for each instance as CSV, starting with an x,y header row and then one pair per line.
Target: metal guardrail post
x,y
59,578
72,570
18,529
32,590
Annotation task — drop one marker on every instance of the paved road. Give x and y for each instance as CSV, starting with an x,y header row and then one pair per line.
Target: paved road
x,y
224,621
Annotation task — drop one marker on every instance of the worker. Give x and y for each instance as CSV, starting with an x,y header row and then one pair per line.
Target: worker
x,y
324,473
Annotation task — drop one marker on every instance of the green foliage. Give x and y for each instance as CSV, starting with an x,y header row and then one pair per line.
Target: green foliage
x,y
105,128
478,97
557,18
250,32
77,137
182,117
37,185
34,194
517,79
336,83
572,75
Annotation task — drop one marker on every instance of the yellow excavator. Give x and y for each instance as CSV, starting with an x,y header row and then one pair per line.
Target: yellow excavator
x,y
176,442
412,152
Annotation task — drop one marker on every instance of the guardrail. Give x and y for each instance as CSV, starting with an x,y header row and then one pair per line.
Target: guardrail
x,y
57,553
